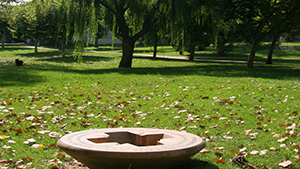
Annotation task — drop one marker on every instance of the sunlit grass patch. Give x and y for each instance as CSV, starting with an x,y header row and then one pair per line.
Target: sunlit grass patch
x,y
235,110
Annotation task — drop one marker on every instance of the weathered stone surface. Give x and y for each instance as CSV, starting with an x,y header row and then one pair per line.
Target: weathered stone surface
x,y
134,148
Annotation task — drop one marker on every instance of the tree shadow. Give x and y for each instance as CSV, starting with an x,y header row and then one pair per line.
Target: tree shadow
x,y
50,53
85,59
195,164
213,69
233,60
14,48
18,76
281,53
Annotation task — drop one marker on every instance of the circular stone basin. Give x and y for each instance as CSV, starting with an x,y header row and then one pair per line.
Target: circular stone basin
x,y
131,148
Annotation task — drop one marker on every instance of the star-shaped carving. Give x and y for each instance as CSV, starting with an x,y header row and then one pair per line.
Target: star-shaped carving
x,y
145,139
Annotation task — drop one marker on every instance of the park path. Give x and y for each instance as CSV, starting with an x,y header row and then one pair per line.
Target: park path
x,y
183,57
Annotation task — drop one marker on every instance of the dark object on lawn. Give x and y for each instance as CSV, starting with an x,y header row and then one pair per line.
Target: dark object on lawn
x,y
239,160
19,62
180,52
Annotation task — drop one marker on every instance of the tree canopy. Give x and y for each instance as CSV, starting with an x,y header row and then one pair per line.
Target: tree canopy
x,y
187,24
259,19
129,20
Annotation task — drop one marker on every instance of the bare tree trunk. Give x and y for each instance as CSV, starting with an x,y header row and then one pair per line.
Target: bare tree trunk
x,y
221,48
63,47
3,40
273,44
155,47
35,45
192,52
96,42
251,57
127,47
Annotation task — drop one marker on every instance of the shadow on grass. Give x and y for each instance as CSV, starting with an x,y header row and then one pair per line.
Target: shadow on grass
x,y
195,164
9,48
208,59
282,53
18,76
51,53
13,76
85,59
212,69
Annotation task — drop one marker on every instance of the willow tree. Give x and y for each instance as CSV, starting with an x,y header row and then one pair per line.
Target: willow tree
x,y
191,24
60,23
129,20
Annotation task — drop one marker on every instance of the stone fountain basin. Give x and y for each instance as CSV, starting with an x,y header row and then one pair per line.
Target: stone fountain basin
x,y
131,148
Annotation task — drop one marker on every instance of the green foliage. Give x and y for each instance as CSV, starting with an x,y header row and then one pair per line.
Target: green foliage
x,y
192,23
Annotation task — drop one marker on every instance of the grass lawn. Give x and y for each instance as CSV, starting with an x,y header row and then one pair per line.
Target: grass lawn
x,y
235,110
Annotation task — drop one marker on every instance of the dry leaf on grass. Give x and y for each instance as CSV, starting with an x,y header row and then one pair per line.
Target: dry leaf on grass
x,y
285,163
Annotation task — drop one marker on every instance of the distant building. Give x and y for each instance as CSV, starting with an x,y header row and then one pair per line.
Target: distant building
x,y
105,41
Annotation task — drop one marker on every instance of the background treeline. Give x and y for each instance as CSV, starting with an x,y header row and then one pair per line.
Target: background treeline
x,y
186,25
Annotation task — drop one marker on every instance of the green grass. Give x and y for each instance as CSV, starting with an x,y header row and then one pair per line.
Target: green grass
x,y
54,94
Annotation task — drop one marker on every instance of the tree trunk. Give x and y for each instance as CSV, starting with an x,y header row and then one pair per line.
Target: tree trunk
x,y
270,54
252,53
35,46
155,47
96,42
221,48
192,53
3,40
63,47
127,47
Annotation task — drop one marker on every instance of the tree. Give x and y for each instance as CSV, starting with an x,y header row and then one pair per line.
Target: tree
x,y
131,20
4,31
258,19
4,19
60,23
101,33
191,23
159,31
30,19
291,27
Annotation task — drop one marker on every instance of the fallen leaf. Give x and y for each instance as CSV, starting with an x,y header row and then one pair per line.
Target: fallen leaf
x,y
29,158
220,160
182,128
243,149
41,146
137,124
218,154
192,127
233,149
263,152
204,151
228,137
18,131
61,155
52,146
285,163
274,149
219,148
282,140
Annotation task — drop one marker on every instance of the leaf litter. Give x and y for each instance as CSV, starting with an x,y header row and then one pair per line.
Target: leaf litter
x,y
54,113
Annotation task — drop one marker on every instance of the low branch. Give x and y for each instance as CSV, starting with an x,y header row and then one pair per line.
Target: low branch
x,y
109,8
